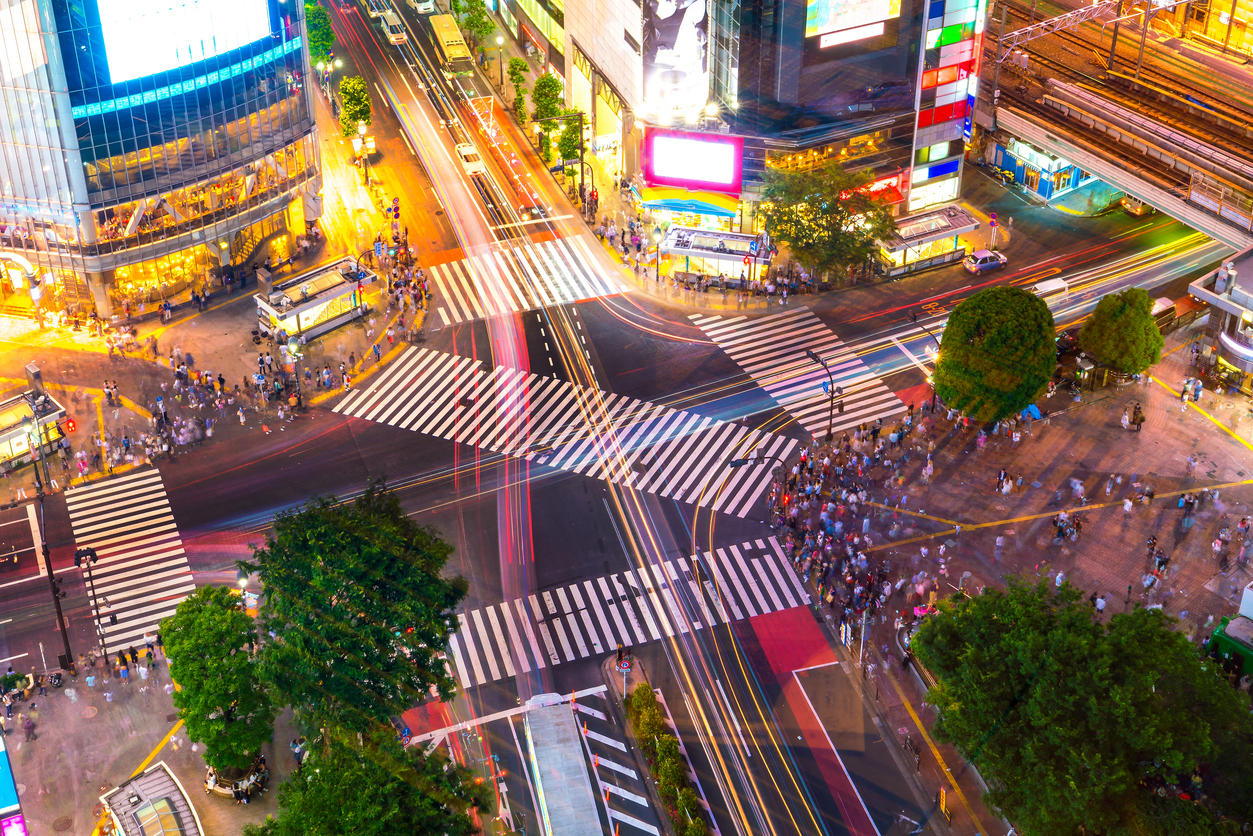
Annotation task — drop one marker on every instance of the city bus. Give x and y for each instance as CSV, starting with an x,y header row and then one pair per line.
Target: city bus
x,y
455,58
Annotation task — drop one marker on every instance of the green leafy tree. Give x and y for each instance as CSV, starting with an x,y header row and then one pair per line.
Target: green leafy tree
x,y
358,610
546,98
321,35
354,100
1121,332
824,216
519,104
1065,717
570,142
222,702
455,7
997,354
377,790
477,21
516,69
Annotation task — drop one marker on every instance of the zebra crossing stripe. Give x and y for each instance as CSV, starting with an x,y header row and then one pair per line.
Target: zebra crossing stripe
x,y
771,350
635,606
506,278
142,570
558,424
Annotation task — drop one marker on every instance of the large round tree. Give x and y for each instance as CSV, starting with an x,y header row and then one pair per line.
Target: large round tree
x,y
997,355
1122,334
222,701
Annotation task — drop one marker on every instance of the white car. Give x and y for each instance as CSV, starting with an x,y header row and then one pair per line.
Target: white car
x,y
422,7
471,162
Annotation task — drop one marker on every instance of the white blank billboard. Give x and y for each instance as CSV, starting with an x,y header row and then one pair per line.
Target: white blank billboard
x,y
143,37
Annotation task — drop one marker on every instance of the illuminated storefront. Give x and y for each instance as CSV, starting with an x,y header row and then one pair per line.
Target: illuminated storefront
x,y
1040,173
175,131
929,239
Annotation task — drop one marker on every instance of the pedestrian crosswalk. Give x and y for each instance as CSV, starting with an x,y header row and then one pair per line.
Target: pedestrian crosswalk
x,y
635,607
142,573
512,276
558,424
771,349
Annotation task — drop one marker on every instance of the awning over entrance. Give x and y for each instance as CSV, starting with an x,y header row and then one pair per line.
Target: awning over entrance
x,y
682,200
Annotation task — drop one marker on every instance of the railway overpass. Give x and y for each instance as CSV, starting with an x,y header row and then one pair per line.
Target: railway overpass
x,y
1187,159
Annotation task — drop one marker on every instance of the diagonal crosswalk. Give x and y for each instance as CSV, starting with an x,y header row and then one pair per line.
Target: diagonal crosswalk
x,y
142,571
593,617
555,423
510,277
771,349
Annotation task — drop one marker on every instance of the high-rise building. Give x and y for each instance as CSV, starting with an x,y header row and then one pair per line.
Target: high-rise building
x,y
882,85
146,147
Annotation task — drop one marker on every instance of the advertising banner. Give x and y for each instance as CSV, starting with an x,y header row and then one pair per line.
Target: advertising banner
x,y
711,162
676,54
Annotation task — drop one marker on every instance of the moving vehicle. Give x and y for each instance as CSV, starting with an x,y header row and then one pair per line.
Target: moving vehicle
x,y
980,261
1051,290
376,8
422,7
395,28
455,58
1135,206
471,162
1164,314
1068,342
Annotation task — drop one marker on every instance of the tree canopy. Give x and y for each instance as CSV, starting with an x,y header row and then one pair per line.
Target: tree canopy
x,y
477,21
376,790
222,701
546,97
1121,332
356,610
824,216
354,99
570,142
516,69
321,35
997,354
1065,717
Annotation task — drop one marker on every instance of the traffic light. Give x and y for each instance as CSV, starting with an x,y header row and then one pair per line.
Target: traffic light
x,y
112,619
70,425
56,588
88,553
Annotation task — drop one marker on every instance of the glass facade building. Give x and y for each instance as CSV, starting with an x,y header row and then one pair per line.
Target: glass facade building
x,y
145,147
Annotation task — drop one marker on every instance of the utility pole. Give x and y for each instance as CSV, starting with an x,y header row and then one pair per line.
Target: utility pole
x,y
89,556
1113,43
54,584
996,73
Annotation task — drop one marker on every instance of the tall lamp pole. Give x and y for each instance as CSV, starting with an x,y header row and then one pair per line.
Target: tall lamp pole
x,y
913,317
833,390
32,424
500,59
657,241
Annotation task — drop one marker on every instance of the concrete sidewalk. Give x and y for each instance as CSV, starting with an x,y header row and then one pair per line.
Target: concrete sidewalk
x,y
91,739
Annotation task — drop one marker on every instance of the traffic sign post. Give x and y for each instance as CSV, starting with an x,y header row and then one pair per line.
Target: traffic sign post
x,y
992,226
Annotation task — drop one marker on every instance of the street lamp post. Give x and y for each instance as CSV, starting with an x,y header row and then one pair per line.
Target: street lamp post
x,y
54,584
913,317
833,390
365,158
500,59
84,558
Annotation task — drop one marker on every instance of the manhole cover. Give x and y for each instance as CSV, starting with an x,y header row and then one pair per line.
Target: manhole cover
x,y
63,824
170,718
439,211
89,712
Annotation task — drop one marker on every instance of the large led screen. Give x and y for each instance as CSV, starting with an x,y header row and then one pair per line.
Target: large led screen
x,y
694,161
676,54
145,37
863,17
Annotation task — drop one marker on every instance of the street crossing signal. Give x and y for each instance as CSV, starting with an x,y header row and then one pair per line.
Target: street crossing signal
x,y
112,619
70,425
86,552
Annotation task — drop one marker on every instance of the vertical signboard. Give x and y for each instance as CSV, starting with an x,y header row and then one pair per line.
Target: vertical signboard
x,y
676,54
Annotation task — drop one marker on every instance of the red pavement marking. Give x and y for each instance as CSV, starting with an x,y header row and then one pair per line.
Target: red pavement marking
x,y
915,394
791,641
426,718
542,235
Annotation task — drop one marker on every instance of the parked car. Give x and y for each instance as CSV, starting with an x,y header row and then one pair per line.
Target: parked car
x,y
471,162
980,261
1135,206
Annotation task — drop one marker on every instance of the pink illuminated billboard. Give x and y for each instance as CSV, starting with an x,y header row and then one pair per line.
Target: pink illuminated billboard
x,y
710,162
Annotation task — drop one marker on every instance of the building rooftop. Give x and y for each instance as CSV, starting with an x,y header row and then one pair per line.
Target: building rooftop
x,y
153,803
925,227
